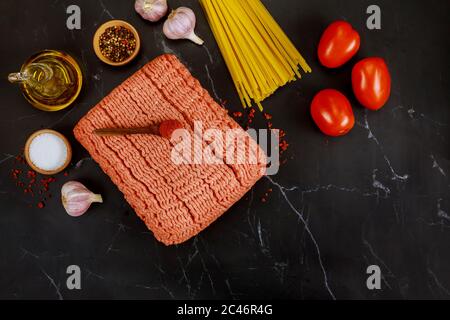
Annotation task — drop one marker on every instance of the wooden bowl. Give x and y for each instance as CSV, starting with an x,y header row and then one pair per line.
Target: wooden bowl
x,y
39,170
101,30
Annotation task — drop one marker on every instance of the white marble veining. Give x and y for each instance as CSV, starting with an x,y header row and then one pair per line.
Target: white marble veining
x,y
307,229
371,135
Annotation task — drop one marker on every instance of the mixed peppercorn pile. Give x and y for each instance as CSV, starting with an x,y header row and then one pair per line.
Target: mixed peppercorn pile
x,y
117,43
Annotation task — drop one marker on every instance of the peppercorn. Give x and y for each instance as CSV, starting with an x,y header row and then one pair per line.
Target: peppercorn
x,y
117,43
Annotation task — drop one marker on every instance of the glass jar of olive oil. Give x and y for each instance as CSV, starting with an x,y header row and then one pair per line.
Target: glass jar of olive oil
x,y
50,80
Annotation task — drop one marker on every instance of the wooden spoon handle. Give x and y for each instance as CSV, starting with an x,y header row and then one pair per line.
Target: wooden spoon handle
x,y
126,131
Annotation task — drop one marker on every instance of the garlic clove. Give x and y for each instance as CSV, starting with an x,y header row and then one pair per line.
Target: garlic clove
x,y
77,199
152,10
181,24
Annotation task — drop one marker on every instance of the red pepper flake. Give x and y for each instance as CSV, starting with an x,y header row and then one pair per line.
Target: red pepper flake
x,y
267,195
265,198
284,146
251,116
15,173
237,114
31,174
66,174
30,182
19,159
267,116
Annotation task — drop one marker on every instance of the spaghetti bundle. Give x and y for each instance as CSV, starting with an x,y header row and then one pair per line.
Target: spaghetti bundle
x,y
258,54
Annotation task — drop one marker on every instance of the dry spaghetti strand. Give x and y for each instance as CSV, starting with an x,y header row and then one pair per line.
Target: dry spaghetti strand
x,y
258,54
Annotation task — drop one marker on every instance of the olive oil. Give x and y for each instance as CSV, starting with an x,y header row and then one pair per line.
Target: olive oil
x,y
50,80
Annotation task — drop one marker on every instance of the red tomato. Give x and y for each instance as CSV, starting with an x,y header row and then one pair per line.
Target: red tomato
x,y
339,43
371,82
332,113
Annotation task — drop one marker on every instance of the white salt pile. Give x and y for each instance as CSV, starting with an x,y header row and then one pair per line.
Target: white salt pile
x,y
48,152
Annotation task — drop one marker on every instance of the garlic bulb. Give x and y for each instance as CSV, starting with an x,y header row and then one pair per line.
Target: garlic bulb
x,y
152,10
77,199
181,24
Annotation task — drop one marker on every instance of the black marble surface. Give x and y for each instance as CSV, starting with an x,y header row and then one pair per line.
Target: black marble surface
x,y
378,196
